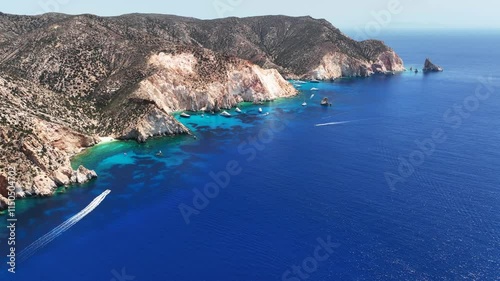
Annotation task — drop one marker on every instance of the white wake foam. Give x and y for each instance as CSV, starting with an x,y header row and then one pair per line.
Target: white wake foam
x,y
54,233
333,123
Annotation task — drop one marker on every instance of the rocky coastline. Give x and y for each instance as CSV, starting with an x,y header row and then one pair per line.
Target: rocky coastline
x,y
66,81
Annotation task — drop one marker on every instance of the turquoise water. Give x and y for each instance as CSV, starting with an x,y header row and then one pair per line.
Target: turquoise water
x,y
292,184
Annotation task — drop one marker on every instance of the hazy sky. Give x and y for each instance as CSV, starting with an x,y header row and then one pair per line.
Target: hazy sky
x,y
366,15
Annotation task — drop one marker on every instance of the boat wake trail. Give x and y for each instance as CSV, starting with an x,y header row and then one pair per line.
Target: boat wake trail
x,y
56,232
334,123
340,122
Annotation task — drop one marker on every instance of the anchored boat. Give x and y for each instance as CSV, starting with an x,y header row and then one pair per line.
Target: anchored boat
x,y
225,114
325,102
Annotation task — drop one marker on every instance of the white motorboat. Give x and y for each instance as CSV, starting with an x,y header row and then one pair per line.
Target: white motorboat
x,y
225,114
238,110
185,115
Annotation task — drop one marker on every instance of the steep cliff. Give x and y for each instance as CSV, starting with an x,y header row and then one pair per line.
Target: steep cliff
x,y
67,80
299,47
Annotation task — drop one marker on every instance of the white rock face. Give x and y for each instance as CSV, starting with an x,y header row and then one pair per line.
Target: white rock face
x,y
155,123
83,175
63,176
183,64
43,186
336,65
177,85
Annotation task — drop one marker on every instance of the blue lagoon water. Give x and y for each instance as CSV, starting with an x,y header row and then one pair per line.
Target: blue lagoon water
x,y
298,183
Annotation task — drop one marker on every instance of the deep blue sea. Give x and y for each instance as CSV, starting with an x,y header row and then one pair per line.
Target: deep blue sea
x,y
399,182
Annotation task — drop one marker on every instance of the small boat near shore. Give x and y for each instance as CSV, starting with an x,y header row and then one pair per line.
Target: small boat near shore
x,y
225,114
314,81
314,89
238,110
325,102
185,115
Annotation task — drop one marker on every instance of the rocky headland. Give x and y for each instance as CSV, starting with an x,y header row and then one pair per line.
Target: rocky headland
x,y
66,81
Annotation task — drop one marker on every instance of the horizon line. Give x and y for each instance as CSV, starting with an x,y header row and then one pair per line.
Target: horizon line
x,y
342,26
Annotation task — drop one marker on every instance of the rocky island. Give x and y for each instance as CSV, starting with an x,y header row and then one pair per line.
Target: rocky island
x,y
66,81
430,67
